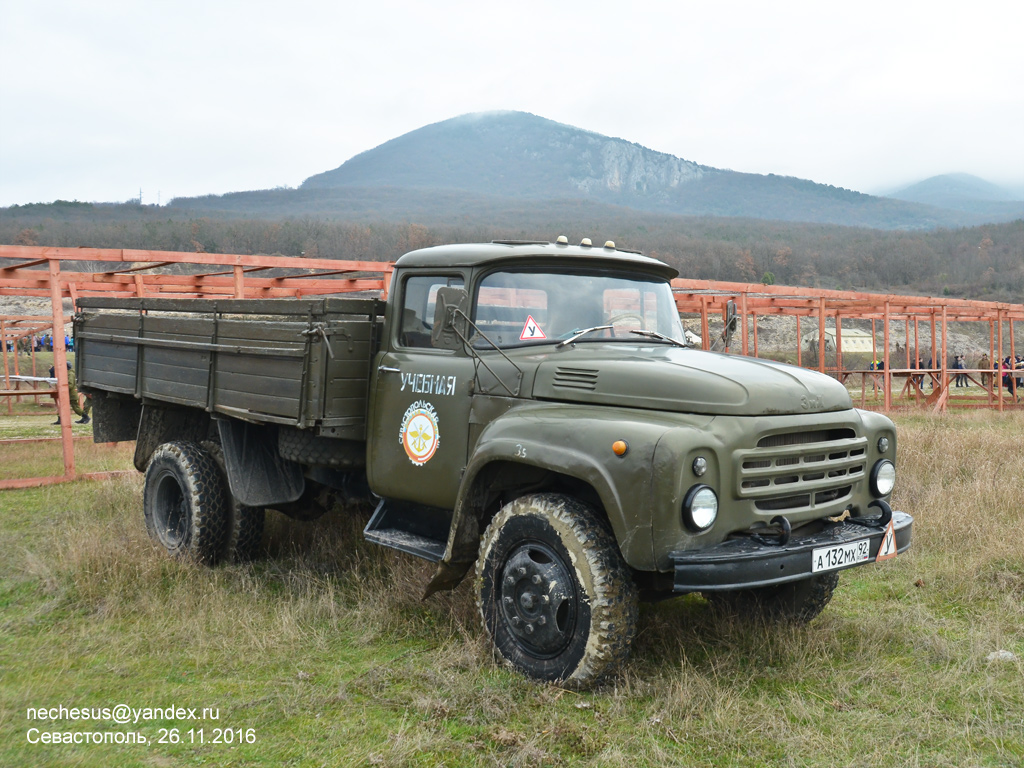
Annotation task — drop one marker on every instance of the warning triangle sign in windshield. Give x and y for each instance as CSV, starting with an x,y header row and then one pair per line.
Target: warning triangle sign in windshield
x,y
531,330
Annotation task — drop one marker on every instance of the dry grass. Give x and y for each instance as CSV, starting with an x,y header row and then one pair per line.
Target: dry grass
x,y
326,649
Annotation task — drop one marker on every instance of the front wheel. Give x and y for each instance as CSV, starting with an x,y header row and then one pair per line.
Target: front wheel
x,y
797,601
554,594
183,502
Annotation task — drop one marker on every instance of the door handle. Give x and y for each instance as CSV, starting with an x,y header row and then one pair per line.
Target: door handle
x,y
386,369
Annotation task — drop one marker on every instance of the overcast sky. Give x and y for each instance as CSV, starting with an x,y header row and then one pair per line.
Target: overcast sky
x,y
101,99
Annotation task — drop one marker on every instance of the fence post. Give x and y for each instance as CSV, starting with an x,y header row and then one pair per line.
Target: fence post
x,y
60,369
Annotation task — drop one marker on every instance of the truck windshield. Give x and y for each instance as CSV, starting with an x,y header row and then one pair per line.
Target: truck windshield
x,y
520,307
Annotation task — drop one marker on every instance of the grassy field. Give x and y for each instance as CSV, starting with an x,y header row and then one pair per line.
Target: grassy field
x,y
324,649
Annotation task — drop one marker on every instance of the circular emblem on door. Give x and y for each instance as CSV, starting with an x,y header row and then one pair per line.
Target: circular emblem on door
x,y
419,434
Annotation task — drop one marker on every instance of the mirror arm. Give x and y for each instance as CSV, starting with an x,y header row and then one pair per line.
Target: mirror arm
x,y
476,357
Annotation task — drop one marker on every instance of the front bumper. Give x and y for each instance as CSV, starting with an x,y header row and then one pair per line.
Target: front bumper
x,y
749,563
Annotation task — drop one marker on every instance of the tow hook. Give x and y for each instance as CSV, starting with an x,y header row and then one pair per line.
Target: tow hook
x,y
780,539
882,521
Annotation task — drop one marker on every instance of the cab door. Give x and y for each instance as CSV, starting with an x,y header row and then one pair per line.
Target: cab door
x,y
419,418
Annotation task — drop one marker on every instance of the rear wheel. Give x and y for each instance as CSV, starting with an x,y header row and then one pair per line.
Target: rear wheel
x,y
797,601
553,592
184,503
244,524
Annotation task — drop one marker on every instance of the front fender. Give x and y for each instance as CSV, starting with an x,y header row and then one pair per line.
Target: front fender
x,y
576,442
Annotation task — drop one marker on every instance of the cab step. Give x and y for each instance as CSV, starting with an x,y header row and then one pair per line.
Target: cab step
x,y
412,528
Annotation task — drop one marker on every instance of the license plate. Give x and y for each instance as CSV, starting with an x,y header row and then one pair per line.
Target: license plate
x,y
841,555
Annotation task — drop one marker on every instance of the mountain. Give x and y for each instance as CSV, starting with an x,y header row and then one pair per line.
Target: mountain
x,y
520,155
463,167
952,188
963,192
515,154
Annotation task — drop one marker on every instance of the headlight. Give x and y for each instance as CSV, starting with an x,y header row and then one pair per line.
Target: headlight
x,y
883,478
700,508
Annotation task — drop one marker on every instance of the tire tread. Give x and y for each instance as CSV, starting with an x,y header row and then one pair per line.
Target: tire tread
x,y
614,602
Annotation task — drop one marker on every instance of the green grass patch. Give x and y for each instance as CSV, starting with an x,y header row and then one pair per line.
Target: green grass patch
x,y
324,649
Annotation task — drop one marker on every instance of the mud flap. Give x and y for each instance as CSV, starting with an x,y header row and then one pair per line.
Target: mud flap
x,y
257,474
115,419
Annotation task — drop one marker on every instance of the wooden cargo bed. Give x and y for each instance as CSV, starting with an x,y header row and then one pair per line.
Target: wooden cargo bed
x,y
304,363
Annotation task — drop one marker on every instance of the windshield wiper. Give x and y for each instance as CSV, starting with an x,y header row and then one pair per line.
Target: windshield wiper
x,y
663,337
577,333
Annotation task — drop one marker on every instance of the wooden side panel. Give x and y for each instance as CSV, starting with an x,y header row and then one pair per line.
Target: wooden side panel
x,y
175,375
249,377
347,376
103,364
303,370
107,366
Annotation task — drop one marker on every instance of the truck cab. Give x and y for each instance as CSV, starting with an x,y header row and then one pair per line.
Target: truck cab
x,y
561,375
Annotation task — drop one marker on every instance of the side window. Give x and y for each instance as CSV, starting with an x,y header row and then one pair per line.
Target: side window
x,y
419,298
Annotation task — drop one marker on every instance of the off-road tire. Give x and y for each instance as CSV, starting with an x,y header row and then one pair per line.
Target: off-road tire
x,y
244,526
797,601
554,595
184,503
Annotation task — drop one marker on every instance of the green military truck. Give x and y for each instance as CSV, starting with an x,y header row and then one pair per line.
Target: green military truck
x,y
530,409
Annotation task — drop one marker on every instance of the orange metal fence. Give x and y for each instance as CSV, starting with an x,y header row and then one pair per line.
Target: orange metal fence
x,y
60,274
706,298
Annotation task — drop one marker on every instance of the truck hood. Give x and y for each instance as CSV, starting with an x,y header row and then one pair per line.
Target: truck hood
x,y
660,377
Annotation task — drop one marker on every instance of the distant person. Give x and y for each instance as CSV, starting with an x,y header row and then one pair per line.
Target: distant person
x,y
73,397
960,365
986,365
1009,382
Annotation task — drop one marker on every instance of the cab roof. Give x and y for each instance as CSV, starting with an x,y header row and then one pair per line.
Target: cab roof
x,y
477,254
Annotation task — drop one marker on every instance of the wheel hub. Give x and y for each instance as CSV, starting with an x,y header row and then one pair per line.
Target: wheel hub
x,y
537,599
172,501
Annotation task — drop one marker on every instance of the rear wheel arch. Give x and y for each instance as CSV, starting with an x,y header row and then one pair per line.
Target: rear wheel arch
x,y
160,425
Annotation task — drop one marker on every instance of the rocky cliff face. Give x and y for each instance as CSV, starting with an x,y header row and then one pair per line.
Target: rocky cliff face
x,y
518,154
619,167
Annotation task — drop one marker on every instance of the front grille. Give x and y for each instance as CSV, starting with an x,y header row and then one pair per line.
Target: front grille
x,y
801,470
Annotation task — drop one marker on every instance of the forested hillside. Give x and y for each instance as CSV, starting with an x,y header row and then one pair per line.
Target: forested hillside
x,y
984,262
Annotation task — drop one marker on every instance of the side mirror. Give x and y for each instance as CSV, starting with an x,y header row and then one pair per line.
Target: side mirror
x,y
731,321
451,315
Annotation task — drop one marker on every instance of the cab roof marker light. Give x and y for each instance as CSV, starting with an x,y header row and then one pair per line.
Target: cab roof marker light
x,y
562,240
585,242
609,244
